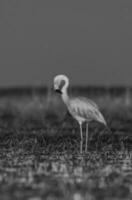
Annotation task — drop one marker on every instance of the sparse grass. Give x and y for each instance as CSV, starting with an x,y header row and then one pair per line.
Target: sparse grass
x,y
39,151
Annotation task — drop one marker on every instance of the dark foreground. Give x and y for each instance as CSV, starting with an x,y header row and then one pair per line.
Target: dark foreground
x,y
39,151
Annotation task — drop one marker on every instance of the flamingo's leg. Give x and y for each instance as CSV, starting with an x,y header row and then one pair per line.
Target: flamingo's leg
x,y
86,145
81,134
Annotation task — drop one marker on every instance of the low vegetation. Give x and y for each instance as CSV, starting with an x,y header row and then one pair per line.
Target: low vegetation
x,y
39,150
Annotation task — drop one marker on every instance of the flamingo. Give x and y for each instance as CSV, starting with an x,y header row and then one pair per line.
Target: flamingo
x,y
81,108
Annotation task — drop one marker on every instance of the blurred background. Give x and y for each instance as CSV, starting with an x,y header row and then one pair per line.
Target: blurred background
x,y
90,41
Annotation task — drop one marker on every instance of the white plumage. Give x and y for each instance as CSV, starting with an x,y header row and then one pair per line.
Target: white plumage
x,y
81,108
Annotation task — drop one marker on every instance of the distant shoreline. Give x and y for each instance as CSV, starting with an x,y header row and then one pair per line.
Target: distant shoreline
x,y
32,90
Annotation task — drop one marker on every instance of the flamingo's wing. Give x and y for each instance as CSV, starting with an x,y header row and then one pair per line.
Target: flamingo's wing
x,y
87,110
89,102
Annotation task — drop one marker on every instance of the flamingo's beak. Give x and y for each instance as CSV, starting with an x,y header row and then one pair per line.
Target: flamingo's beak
x,y
59,91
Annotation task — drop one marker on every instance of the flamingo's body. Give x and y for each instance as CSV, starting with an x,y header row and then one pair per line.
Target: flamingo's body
x,y
81,108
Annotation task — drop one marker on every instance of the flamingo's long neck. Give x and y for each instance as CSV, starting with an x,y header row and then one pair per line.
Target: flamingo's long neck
x,y
65,95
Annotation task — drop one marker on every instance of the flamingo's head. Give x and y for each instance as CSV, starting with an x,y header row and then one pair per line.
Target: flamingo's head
x,y
61,83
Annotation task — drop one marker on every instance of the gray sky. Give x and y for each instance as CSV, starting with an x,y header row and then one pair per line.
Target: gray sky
x,y
90,41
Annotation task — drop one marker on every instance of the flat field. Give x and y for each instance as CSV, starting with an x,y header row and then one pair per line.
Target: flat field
x,y
39,148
